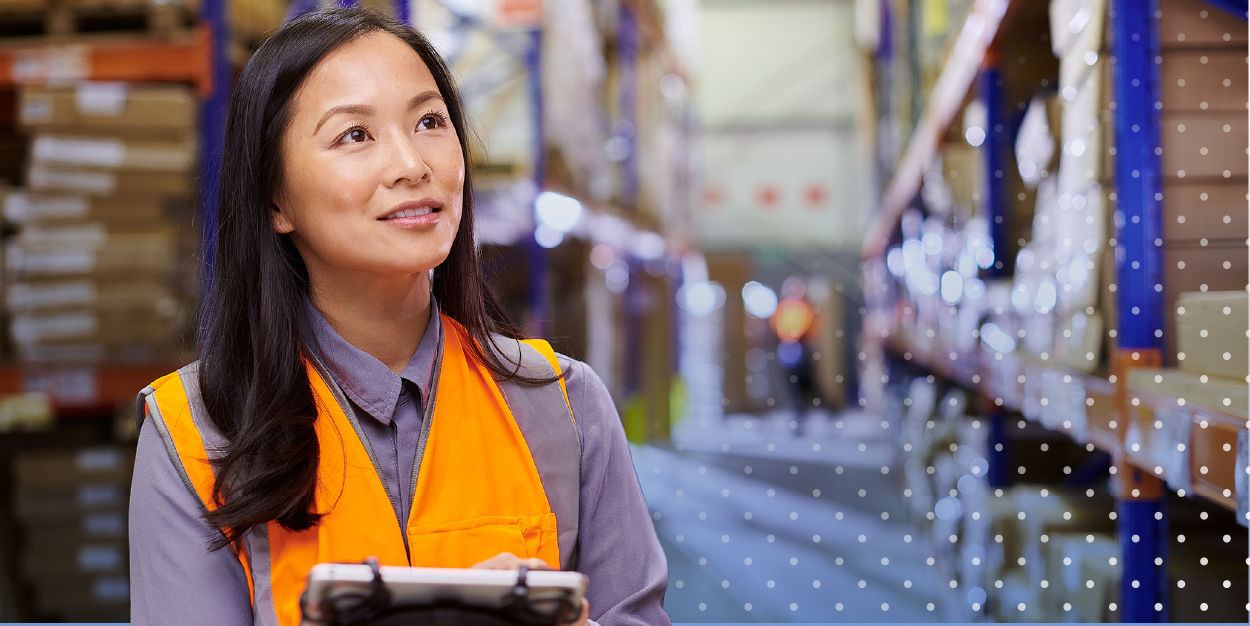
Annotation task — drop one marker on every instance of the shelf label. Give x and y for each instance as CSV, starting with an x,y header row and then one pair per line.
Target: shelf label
x,y
1177,426
104,524
102,99
1077,416
98,460
58,65
100,558
67,385
93,183
93,152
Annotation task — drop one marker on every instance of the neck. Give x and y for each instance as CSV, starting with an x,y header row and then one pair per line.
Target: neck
x,y
384,319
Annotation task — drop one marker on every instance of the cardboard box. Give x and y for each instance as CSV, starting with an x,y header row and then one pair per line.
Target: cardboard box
x,y
114,153
1070,19
66,468
21,207
1204,146
108,297
1198,24
51,563
94,526
1212,211
1037,144
123,108
1203,268
1072,562
1086,47
45,327
1211,333
61,504
1085,136
152,255
98,183
1224,394
87,599
94,353
1078,341
963,169
1204,80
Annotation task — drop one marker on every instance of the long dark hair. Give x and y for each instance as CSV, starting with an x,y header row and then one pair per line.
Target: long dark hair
x,y
253,333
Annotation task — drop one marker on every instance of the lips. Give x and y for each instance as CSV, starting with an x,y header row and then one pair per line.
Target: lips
x,y
409,213
411,210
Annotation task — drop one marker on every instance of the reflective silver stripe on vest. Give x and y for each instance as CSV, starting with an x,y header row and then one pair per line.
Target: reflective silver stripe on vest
x,y
148,401
256,542
550,431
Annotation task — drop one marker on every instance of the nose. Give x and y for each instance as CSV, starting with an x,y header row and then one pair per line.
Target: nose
x,y
405,162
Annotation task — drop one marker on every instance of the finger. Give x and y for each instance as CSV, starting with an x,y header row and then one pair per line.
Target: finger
x,y
503,560
583,618
535,564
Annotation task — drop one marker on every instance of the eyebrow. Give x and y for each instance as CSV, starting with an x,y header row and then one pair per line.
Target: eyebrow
x,y
365,110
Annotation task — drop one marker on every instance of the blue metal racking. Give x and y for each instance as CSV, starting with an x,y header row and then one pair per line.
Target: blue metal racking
x,y
990,87
213,124
1139,300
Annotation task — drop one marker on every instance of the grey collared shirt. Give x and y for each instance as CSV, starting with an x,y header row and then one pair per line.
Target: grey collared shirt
x,y
176,580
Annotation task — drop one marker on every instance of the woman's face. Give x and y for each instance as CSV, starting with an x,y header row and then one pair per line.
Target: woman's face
x,y
373,175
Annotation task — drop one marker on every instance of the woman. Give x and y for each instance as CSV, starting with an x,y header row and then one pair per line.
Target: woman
x,y
359,393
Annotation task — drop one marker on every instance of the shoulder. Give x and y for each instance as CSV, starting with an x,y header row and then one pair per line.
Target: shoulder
x,y
190,370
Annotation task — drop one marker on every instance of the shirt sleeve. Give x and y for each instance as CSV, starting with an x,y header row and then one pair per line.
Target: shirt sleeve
x,y
618,548
174,579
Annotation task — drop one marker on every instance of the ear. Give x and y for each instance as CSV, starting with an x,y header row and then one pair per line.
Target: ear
x,y
282,223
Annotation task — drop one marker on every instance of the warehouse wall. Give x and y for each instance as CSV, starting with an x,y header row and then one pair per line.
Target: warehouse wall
x,y
777,109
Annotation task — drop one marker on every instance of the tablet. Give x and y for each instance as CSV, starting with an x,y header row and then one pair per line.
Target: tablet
x,y
539,591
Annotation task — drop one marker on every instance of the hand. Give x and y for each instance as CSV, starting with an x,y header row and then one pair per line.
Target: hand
x,y
510,561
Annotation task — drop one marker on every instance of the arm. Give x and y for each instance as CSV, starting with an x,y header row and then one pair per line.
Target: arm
x,y
619,551
174,579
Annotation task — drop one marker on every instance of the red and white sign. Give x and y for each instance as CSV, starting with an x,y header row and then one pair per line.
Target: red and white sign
x,y
519,13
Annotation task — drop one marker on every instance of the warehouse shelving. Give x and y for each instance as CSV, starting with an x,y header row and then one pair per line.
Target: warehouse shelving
x,y
1097,409
111,58
197,58
980,31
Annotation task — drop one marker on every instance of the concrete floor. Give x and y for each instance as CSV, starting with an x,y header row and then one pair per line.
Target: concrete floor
x,y
762,525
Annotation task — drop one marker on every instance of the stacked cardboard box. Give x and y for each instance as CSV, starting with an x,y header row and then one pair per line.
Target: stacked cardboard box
x,y
1211,334
1073,207
71,509
1203,85
1050,556
97,271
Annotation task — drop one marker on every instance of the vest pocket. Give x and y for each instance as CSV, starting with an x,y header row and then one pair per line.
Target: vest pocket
x,y
465,543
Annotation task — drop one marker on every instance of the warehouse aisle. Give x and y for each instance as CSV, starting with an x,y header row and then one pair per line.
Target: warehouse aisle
x,y
759,524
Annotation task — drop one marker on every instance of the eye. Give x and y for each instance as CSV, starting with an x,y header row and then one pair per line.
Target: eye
x,y
431,121
355,135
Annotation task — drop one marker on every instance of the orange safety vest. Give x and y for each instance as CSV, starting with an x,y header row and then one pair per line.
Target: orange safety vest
x,y
482,487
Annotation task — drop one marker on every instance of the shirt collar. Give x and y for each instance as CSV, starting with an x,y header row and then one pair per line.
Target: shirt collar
x,y
365,380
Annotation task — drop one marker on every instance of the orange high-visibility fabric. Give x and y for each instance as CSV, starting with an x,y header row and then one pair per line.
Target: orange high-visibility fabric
x,y
176,413
478,492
